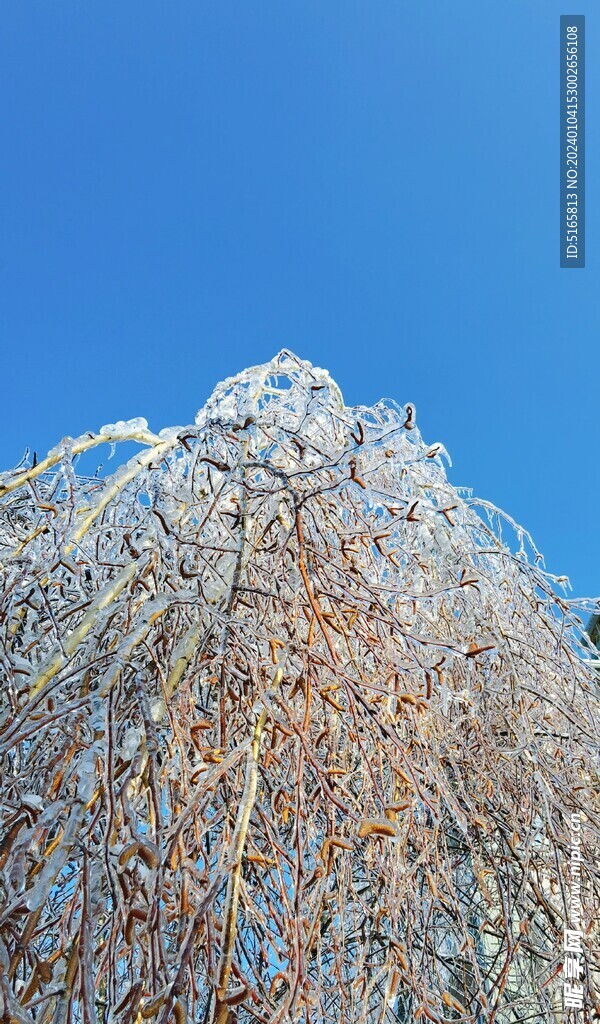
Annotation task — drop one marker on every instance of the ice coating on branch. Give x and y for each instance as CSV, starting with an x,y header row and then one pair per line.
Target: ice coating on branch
x,y
285,383
293,395
123,428
279,642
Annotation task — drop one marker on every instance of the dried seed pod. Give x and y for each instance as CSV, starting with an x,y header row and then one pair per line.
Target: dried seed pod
x,y
179,1014
409,423
427,1012
474,649
149,854
152,1006
375,827
258,858
335,842
213,756
201,725
45,971
391,811
128,852
129,930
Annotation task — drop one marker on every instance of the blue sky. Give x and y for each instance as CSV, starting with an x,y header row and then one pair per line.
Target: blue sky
x,y
190,186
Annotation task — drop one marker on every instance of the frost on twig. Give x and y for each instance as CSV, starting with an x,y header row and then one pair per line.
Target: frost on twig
x,y
291,729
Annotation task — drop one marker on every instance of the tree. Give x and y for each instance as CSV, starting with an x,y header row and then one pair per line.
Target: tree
x,y
289,730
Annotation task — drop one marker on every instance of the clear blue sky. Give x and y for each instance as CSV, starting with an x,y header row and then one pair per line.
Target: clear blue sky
x,y
187,187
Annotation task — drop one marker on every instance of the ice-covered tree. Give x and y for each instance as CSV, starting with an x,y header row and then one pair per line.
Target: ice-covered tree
x,y
291,729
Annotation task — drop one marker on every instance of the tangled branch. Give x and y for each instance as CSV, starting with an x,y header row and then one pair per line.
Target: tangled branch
x,y
290,729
